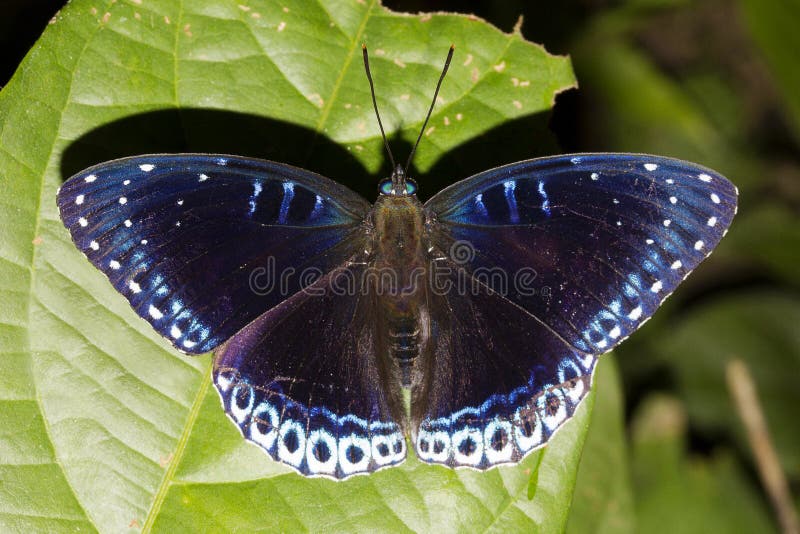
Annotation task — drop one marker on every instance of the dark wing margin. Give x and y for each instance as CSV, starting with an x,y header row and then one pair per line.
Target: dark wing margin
x,y
202,244
585,248
302,381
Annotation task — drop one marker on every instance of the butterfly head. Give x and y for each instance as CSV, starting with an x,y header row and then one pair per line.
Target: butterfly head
x,y
398,184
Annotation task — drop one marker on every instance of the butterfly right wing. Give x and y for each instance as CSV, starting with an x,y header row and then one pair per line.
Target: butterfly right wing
x,y
303,381
600,240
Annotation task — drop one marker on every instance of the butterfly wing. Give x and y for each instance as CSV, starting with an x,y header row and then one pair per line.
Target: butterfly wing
x,y
502,383
564,257
201,245
302,381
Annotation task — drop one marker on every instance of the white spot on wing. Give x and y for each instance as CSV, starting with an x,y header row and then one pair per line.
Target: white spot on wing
x,y
704,177
147,167
114,264
656,287
595,176
123,200
676,264
128,223
175,332
667,222
712,221
89,179
635,313
650,166
82,221
714,198
154,312
203,178
94,245
79,200
673,200
699,245
615,332
136,288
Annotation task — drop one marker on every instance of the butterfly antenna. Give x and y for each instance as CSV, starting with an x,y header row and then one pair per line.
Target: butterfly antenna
x,y
375,105
433,102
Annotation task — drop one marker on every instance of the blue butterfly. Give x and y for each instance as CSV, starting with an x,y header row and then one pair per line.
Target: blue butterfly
x,y
488,305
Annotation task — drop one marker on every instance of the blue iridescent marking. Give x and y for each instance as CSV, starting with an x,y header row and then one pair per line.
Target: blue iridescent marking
x,y
317,206
288,195
481,206
508,191
256,191
545,200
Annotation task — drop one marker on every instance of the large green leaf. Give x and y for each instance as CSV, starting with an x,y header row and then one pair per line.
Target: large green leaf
x,y
103,427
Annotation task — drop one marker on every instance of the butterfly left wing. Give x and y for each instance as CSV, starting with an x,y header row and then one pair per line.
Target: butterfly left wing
x,y
303,381
573,253
202,244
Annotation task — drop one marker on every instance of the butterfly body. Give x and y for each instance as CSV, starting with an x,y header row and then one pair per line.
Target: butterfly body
x,y
399,265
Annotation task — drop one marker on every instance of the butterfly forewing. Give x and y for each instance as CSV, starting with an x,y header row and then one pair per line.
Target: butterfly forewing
x,y
202,244
586,248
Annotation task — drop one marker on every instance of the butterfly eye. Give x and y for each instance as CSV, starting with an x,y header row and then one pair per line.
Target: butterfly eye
x,y
385,187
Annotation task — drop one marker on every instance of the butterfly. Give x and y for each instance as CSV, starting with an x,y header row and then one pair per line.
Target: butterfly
x,y
470,324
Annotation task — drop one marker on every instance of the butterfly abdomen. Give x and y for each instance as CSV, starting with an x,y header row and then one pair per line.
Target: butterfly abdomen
x,y
399,279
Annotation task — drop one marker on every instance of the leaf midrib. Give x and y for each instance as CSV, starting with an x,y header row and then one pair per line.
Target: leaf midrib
x,y
326,110
180,448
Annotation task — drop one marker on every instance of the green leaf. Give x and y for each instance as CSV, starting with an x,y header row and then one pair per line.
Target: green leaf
x,y
104,427
603,501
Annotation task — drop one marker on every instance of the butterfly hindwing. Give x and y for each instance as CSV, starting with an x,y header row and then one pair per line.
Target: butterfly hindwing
x,y
585,248
202,244
303,381
502,381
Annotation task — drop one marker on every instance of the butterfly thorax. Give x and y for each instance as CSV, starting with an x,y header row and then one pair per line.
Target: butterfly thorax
x,y
397,277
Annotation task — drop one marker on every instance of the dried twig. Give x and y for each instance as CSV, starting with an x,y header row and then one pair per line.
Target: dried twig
x,y
743,390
